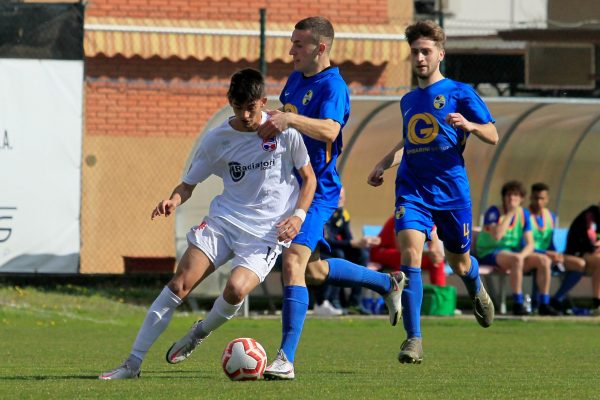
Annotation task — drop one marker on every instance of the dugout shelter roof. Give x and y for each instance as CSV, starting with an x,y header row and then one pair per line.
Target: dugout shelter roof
x,y
234,40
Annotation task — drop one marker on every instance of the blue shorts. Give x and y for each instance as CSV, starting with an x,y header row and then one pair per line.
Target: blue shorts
x,y
453,226
311,232
490,259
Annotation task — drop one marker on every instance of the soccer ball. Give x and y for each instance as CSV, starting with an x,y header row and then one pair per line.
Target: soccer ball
x,y
244,359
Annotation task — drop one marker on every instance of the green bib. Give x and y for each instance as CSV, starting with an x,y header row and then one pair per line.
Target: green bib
x,y
510,241
542,235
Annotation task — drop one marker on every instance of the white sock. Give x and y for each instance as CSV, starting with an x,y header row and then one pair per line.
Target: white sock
x,y
220,313
158,317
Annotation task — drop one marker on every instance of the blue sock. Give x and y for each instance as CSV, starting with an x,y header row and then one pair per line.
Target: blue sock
x,y
471,279
347,274
412,298
569,281
543,298
518,298
293,313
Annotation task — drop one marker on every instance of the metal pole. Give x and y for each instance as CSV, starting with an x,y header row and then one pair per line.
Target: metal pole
x,y
440,14
263,24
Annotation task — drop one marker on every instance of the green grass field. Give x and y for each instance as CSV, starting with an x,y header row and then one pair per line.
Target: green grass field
x,y
54,345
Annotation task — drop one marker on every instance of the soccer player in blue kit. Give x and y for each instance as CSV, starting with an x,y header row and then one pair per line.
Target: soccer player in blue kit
x,y
316,101
431,184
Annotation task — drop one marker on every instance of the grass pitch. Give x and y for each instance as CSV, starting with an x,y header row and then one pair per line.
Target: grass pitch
x,y
54,346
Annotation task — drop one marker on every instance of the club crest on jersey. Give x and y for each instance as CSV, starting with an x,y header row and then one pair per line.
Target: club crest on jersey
x,y
307,97
400,211
269,144
289,107
439,102
200,227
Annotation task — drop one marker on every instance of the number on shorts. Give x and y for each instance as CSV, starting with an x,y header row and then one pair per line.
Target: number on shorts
x,y
270,257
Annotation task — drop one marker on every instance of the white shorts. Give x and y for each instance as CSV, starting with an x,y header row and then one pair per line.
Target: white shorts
x,y
221,241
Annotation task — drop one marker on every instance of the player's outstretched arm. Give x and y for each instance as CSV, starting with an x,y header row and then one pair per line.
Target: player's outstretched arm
x,y
325,130
289,227
391,159
487,133
180,195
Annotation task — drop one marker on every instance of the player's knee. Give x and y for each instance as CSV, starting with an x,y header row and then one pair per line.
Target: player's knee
x,y
516,260
178,288
547,263
234,293
316,272
315,279
515,264
461,268
579,264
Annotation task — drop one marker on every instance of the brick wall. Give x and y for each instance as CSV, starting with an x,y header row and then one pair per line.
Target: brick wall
x,y
338,11
175,98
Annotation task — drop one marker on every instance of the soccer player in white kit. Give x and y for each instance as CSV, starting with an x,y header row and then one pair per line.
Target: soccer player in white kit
x,y
262,207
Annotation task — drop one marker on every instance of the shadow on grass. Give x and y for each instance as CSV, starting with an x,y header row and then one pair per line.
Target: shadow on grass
x,y
46,377
145,374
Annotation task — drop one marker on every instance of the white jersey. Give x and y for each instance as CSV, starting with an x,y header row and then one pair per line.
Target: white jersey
x,y
260,188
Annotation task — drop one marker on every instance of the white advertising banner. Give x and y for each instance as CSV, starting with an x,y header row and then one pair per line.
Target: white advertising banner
x,y
40,165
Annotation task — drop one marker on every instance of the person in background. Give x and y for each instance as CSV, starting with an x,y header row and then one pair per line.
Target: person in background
x,y
342,244
583,240
543,223
387,254
506,241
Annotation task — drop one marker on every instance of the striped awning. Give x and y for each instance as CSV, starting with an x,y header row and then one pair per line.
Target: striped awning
x,y
234,40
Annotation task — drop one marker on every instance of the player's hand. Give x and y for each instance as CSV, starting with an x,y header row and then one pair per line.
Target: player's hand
x,y
366,242
376,177
288,228
457,121
165,207
555,257
273,126
435,256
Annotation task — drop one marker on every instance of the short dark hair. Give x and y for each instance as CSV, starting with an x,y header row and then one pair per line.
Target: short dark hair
x,y
426,29
513,186
320,27
247,86
539,187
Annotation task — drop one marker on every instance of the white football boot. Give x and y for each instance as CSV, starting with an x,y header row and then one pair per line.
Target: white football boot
x,y
280,368
184,347
124,371
393,298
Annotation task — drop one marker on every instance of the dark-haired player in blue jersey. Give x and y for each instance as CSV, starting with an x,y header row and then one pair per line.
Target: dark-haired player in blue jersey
x,y
316,102
432,185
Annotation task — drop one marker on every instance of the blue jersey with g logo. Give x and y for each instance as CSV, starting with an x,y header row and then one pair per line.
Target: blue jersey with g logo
x,y
432,171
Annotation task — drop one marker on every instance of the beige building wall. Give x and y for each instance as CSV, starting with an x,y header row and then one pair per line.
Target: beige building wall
x,y
123,180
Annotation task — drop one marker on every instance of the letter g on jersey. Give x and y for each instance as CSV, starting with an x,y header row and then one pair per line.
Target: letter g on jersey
x,y
236,171
422,128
